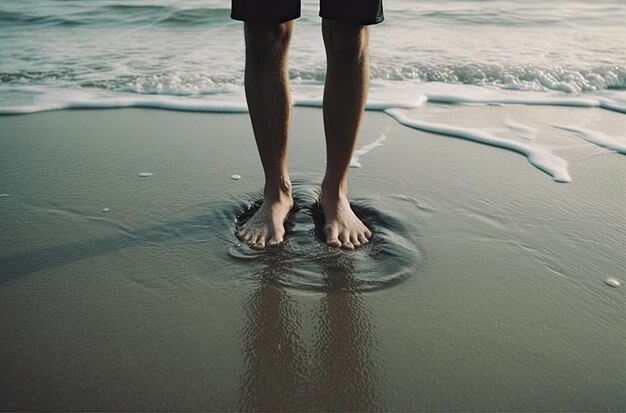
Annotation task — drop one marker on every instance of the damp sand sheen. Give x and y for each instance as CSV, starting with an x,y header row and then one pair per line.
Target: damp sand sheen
x,y
494,279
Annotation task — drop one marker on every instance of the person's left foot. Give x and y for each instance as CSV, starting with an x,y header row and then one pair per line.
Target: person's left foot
x,y
343,229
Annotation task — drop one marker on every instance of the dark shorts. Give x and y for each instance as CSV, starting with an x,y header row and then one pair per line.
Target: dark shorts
x,y
361,12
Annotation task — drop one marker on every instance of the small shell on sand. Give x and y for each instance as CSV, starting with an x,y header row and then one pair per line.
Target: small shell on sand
x,y
613,282
144,174
105,209
236,177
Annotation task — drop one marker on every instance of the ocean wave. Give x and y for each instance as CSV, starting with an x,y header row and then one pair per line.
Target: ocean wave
x,y
524,78
513,14
118,15
198,16
166,15
174,84
21,19
488,17
36,76
516,77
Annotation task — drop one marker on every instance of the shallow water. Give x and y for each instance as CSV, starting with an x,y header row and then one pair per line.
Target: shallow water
x,y
483,288
304,262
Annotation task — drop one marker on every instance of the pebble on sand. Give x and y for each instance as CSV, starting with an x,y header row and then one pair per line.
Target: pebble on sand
x,y
105,209
613,282
144,174
236,177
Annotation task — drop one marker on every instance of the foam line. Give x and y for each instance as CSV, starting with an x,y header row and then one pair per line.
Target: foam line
x,y
238,104
547,101
185,105
614,106
543,101
539,157
354,162
129,102
374,105
597,138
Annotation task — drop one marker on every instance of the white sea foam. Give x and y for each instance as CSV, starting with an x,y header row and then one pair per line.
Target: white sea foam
x,y
613,105
383,95
613,282
356,155
574,101
539,157
47,100
597,138
144,174
106,209
418,204
4,195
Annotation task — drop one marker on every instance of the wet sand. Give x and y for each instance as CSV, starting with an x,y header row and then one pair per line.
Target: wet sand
x,y
483,289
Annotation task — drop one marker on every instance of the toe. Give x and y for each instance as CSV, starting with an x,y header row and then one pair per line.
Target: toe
x,y
331,237
345,242
260,244
354,240
276,240
368,233
363,239
251,239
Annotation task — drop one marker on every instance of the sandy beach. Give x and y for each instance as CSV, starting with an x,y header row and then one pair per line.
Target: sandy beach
x,y
484,287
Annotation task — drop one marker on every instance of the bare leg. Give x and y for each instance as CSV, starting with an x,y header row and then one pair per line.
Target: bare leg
x,y
345,93
267,93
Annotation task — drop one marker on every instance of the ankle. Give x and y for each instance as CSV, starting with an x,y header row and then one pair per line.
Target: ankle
x,y
279,190
333,192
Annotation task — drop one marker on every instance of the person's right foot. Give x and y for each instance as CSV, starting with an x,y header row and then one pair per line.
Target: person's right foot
x,y
266,228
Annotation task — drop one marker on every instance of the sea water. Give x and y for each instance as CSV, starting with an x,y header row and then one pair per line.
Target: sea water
x,y
189,54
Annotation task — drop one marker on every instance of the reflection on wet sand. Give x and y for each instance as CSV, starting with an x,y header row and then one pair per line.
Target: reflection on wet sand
x,y
273,353
281,372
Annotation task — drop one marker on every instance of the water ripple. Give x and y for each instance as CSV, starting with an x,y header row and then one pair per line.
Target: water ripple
x,y
305,262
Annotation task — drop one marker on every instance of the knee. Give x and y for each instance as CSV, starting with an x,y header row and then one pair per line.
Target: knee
x,y
345,40
266,38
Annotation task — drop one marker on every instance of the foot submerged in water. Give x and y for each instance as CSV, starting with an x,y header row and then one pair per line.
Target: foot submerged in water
x,y
266,228
342,228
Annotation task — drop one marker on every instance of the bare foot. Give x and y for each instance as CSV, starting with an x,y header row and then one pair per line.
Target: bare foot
x,y
343,229
266,227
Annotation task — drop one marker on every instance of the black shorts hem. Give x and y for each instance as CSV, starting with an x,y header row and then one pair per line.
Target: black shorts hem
x,y
262,20
378,20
